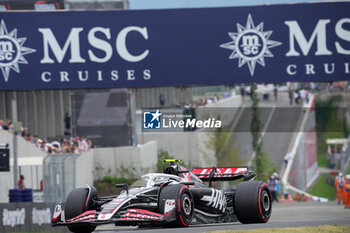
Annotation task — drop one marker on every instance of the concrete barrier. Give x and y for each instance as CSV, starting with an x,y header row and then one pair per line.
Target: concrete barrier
x,y
187,146
115,161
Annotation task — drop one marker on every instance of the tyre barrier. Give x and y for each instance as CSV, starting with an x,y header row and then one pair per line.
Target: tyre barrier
x,y
18,195
27,195
15,195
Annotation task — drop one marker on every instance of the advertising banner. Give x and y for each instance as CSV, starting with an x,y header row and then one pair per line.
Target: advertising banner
x,y
31,5
180,47
23,216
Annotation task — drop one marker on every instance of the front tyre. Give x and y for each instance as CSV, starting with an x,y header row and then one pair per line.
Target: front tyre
x,y
186,208
252,202
181,212
76,204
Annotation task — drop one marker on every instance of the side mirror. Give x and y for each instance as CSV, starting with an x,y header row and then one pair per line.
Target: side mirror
x,y
125,186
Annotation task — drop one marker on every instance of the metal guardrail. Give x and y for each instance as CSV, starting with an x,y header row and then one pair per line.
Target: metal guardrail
x,y
59,176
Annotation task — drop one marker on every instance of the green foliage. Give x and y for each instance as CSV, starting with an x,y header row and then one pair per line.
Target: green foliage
x,y
117,180
106,186
322,188
220,142
126,172
105,183
255,124
322,160
325,111
263,167
330,123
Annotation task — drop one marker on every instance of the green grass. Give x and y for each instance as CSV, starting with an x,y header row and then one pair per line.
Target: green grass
x,y
322,159
322,189
318,229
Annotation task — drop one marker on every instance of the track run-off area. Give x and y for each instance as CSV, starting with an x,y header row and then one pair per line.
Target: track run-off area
x,y
296,214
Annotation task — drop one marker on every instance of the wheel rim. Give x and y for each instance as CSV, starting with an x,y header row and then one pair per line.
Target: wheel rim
x,y
186,205
266,202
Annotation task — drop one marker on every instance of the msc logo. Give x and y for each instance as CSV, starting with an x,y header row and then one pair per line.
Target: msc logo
x,y
250,44
12,51
8,50
152,120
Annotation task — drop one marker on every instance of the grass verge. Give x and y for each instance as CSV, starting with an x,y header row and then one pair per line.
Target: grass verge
x,y
318,229
323,189
322,160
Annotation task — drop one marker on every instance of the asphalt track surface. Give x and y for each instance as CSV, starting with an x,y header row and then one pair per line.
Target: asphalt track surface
x,y
299,214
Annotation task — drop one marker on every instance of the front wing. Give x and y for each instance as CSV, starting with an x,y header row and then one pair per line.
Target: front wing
x,y
128,217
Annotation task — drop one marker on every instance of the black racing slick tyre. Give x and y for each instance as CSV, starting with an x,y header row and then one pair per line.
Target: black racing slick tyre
x,y
252,202
184,204
77,203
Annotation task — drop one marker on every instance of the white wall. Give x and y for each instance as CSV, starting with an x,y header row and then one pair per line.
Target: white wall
x,y
187,146
84,166
29,160
138,160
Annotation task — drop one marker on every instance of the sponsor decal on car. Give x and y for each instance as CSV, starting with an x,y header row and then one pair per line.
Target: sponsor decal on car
x,y
141,215
216,200
169,206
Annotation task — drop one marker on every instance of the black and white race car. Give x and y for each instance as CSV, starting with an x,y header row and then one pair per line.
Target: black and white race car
x,y
178,197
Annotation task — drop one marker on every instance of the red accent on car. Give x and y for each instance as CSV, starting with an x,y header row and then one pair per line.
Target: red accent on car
x,y
86,200
90,212
145,212
168,214
141,215
265,219
182,221
219,172
178,205
186,175
181,189
260,204
54,219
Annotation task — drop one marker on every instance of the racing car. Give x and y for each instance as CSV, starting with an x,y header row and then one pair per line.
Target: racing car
x,y
178,197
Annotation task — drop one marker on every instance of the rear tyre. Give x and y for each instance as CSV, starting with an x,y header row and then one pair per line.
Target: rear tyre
x,y
252,202
76,204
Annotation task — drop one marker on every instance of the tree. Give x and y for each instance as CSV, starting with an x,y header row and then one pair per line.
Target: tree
x,y
263,167
220,142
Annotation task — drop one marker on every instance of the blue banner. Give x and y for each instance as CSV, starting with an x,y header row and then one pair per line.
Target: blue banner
x,y
181,47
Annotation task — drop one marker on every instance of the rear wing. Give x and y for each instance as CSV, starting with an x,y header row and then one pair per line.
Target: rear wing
x,y
222,173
